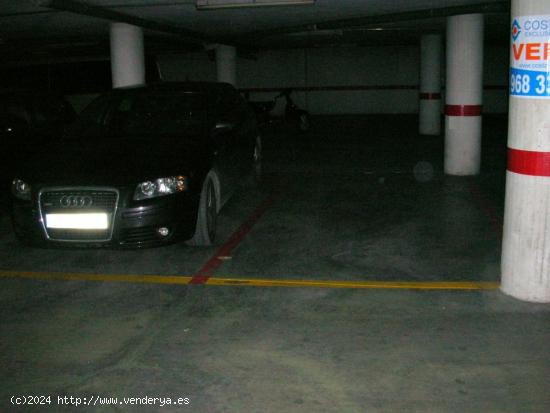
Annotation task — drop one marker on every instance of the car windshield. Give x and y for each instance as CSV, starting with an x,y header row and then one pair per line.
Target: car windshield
x,y
142,115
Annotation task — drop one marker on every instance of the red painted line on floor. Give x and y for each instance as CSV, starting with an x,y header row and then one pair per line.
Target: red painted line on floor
x,y
528,162
202,275
488,209
430,96
463,110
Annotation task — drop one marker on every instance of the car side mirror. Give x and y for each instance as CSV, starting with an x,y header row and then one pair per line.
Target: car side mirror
x,y
224,127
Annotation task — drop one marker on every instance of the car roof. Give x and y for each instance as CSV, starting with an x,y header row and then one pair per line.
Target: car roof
x,y
198,87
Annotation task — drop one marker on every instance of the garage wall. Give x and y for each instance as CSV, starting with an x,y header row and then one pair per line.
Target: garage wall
x,y
392,69
275,69
340,80
191,66
496,79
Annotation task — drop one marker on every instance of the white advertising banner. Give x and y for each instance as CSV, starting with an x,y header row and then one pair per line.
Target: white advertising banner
x,y
530,57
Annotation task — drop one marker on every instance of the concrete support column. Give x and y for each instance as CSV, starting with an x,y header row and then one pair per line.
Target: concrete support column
x,y
127,55
429,109
526,238
226,64
464,94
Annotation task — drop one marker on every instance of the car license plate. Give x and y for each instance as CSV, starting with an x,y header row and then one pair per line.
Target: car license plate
x,y
78,221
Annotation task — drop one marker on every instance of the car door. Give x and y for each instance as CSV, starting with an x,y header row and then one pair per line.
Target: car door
x,y
225,129
245,131
246,137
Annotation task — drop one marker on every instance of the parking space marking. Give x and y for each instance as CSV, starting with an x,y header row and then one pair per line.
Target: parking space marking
x,y
202,275
64,276
386,285
257,282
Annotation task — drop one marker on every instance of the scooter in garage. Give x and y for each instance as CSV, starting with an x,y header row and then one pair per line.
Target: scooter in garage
x,y
293,115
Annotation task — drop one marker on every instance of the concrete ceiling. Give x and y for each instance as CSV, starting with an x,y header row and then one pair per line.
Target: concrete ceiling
x,y
50,29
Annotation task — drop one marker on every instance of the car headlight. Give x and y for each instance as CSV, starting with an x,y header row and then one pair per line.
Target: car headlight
x,y
20,189
160,187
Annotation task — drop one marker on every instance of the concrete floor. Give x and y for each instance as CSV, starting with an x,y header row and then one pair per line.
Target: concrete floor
x,y
355,199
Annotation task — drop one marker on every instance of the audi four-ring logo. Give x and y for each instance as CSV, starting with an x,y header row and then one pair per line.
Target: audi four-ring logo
x,y
76,201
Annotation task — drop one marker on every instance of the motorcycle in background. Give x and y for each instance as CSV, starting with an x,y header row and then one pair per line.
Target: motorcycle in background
x,y
293,115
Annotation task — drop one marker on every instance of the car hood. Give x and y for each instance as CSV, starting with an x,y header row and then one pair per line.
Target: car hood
x,y
116,162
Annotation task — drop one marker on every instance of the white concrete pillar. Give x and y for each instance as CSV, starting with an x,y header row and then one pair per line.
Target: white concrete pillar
x,y
226,64
429,109
464,92
127,55
526,238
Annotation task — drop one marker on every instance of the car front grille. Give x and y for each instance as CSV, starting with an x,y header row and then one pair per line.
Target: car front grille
x,y
78,201
57,200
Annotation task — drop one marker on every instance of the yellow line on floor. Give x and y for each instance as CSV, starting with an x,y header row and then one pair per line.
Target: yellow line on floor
x,y
404,285
65,276
257,282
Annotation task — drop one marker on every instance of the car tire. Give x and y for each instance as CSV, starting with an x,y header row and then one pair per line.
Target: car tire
x,y
205,229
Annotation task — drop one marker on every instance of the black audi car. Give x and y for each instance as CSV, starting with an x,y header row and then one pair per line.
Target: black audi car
x,y
141,166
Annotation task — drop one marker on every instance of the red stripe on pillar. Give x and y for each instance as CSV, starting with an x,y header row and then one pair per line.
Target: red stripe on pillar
x,y
529,162
463,110
430,96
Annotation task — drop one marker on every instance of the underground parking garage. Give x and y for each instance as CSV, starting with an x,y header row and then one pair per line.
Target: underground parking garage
x,y
275,206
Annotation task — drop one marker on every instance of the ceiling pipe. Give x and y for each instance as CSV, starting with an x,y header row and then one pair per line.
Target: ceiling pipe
x,y
485,8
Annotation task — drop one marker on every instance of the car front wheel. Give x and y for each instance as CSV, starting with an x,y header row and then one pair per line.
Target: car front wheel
x,y
205,230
